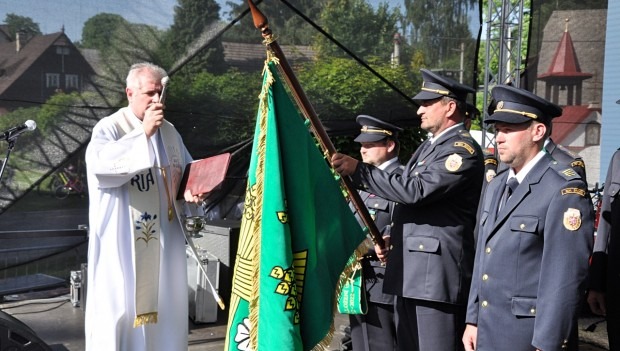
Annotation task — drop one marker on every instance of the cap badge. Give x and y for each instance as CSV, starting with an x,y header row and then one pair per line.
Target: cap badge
x,y
572,219
500,105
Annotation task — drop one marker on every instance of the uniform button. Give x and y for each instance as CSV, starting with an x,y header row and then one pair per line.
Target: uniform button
x,y
532,311
416,173
488,250
522,226
485,277
485,303
421,247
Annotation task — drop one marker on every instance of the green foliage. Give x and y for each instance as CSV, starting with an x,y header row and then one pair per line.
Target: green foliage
x,y
357,26
17,23
193,27
212,111
97,29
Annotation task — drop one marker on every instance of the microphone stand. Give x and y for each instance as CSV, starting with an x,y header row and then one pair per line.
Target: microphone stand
x,y
11,142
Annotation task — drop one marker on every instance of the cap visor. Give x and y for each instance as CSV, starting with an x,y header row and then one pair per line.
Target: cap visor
x,y
426,95
368,138
507,117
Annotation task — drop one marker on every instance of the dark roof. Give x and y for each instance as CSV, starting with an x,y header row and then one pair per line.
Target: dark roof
x,y
13,64
251,57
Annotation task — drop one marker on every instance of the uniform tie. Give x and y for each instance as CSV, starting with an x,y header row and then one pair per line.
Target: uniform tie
x,y
510,187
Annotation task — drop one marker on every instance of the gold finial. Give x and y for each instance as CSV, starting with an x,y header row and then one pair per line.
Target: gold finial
x,y
566,25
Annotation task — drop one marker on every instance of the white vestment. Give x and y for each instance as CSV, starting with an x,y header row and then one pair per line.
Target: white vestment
x,y
112,159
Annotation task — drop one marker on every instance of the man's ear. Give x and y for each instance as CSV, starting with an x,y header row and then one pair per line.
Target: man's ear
x,y
391,145
539,131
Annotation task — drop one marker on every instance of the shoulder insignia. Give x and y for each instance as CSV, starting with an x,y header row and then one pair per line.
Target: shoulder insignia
x,y
490,161
572,219
454,162
465,133
569,172
465,146
577,191
578,163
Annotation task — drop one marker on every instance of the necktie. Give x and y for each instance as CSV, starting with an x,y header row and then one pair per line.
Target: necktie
x,y
510,187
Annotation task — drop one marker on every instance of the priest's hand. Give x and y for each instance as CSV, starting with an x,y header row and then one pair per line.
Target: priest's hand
x,y
343,164
196,199
153,119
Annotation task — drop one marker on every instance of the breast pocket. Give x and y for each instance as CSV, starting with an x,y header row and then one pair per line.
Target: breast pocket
x,y
524,224
378,204
423,244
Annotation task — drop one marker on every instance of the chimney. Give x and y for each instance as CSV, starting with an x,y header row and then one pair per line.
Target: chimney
x,y
20,40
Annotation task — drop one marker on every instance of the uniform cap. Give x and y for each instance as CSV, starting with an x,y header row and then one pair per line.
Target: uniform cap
x,y
435,86
472,111
514,105
374,129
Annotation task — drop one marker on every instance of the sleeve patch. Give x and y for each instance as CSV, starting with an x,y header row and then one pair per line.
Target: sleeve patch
x,y
577,191
465,146
572,219
454,162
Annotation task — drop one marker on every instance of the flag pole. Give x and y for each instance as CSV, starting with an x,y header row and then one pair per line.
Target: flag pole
x,y
261,23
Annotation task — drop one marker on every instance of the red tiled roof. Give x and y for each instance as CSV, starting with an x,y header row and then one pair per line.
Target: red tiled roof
x,y
572,117
565,63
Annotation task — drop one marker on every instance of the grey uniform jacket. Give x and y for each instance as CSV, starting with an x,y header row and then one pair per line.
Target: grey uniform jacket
x,y
605,269
531,260
433,220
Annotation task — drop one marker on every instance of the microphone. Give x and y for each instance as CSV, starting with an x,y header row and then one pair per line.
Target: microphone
x,y
12,133
164,83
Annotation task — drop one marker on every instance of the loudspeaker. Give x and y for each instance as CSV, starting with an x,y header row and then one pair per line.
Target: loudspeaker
x,y
15,335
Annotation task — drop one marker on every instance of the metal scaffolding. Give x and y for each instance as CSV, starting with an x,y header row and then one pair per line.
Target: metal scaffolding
x,y
504,28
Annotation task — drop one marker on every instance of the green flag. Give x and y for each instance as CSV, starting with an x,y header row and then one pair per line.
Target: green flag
x,y
297,234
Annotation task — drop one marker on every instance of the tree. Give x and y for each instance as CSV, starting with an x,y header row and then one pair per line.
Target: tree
x,y
194,21
357,26
17,23
438,27
289,27
97,29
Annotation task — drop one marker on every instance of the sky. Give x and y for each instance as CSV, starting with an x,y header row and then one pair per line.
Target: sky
x,y
52,15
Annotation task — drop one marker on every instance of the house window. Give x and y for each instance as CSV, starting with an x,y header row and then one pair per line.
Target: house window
x,y
62,50
52,80
593,133
71,81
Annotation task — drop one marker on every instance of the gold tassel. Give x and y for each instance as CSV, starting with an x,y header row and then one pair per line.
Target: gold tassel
x,y
146,318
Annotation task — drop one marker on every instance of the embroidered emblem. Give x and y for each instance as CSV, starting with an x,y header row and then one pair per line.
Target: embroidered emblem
x,y
578,163
500,105
490,175
572,219
282,216
490,161
465,146
569,172
577,191
454,162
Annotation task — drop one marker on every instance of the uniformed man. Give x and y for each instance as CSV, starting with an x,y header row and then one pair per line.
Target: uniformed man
x,y
534,238
375,330
604,294
430,263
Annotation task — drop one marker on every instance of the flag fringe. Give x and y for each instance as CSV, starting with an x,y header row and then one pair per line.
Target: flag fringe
x,y
144,319
256,233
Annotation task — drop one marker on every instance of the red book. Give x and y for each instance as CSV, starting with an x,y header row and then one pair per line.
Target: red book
x,y
205,175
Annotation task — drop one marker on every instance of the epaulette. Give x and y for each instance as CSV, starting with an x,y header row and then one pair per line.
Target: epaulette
x,y
569,152
565,172
467,142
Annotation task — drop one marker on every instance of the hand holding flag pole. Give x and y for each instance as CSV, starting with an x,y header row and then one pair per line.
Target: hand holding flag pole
x,y
261,23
